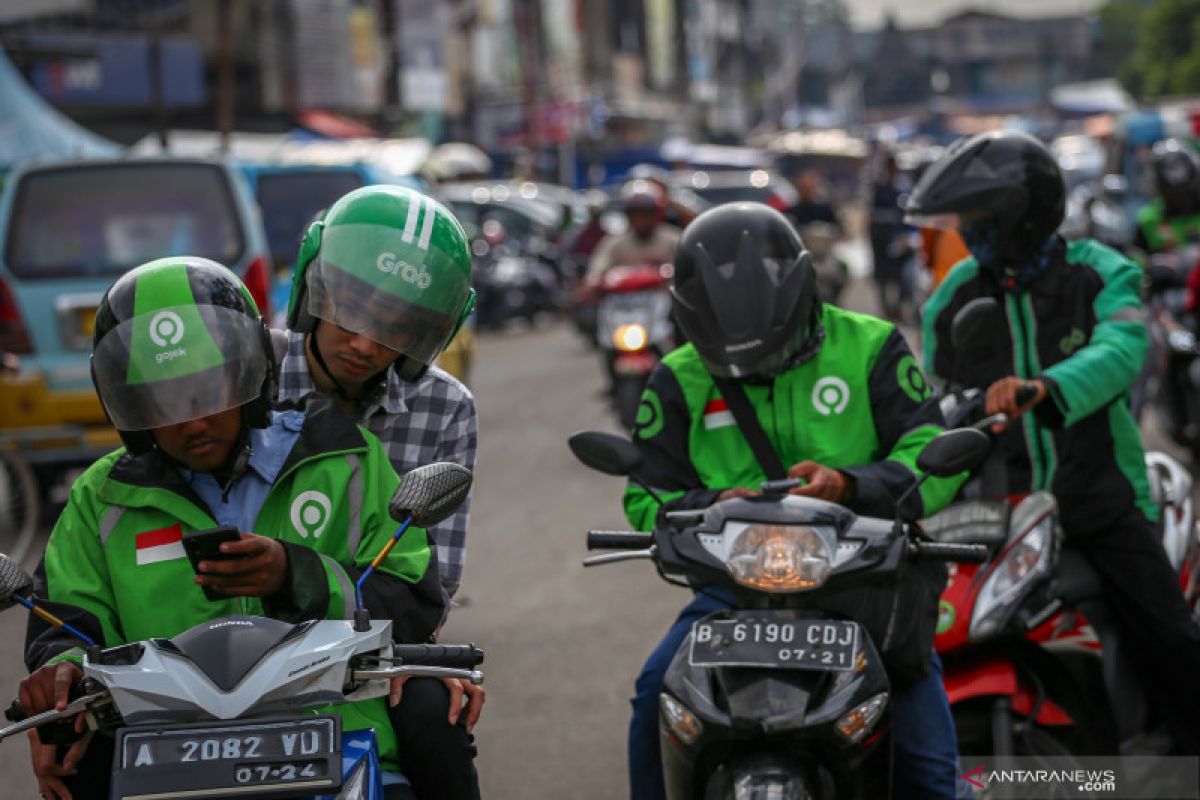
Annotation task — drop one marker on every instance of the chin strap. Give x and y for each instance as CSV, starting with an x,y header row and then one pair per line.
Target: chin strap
x,y
241,463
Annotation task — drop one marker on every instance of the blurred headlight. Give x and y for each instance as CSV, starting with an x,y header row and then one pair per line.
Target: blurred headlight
x,y
781,558
1026,560
1182,341
629,337
855,725
681,721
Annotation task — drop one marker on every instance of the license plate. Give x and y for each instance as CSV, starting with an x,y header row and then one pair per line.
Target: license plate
x,y
242,760
762,641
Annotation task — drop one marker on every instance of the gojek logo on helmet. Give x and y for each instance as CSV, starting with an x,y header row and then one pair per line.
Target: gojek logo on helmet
x,y
310,514
167,329
387,262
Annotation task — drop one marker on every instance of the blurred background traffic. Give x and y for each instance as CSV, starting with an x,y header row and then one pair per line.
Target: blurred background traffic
x,y
572,138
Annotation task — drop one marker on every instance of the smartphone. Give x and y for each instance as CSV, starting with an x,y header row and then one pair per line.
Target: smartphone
x,y
205,545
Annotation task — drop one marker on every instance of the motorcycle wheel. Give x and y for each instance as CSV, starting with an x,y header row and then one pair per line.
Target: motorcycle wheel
x,y
20,505
975,725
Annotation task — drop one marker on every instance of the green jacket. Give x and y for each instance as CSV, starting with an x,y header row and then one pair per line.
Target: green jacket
x,y
860,404
1157,232
1079,328
114,566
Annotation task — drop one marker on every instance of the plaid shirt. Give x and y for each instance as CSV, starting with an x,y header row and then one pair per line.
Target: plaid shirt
x,y
418,423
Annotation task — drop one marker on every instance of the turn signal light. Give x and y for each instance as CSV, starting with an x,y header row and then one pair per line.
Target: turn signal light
x,y
855,725
681,721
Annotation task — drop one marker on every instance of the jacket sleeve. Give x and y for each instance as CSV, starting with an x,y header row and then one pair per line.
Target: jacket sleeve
x,y
662,437
73,583
458,443
1106,367
906,417
404,587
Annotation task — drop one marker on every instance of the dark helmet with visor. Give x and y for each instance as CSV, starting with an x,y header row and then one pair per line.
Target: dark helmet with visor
x,y
1176,176
744,291
388,263
178,339
1002,190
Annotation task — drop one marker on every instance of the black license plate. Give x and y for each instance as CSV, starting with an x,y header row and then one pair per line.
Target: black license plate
x,y
235,760
768,641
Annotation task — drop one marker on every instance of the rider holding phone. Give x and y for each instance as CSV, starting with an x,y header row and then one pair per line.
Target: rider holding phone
x,y
184,368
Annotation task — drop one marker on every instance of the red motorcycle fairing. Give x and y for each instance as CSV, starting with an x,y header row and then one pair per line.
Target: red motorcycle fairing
x,y
634,278
636,362
997,677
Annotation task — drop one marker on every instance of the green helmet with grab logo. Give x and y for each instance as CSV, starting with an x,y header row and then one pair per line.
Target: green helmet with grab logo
x,y
178,339
388,263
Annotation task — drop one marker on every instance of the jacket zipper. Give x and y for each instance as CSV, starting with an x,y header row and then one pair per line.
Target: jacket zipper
x,y
1030,420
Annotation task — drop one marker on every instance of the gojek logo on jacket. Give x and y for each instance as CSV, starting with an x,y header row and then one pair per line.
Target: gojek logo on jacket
x,y
310,514
830,395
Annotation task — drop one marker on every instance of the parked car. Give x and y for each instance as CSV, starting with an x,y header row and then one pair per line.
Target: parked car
x,y
68,230
731,186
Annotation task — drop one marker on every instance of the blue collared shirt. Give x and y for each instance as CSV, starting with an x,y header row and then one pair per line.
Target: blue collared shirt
x,y
269,449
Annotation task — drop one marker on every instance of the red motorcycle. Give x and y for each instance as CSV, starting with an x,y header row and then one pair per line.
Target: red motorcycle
x,y
1032,663
633,330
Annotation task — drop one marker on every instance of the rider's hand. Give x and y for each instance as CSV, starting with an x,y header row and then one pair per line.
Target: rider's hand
x,y
259,570
48,687
821,481
737,491
48,771
1002,398
474,696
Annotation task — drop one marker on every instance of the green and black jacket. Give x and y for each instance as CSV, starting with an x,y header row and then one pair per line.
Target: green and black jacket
x,y
1080,330
859,404
1157,232
115,567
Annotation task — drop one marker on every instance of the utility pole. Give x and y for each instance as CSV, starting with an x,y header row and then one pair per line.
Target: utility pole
x,y
224,71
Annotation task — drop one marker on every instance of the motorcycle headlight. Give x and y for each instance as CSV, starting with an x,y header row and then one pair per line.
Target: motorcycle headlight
x,y
1182,341
781,558
629,338
1024,562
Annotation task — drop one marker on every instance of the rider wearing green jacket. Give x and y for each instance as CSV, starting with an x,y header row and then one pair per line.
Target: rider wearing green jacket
x,y
1173,218
846,408
184,368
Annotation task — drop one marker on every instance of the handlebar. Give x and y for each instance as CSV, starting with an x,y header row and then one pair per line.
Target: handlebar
x,y
944,551
14,713
454,656
618,540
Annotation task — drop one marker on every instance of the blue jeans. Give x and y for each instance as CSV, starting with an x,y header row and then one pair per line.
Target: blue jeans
x,y
925,746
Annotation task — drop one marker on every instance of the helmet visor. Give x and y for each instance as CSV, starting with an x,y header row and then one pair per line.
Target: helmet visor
x,y
179,363
388,285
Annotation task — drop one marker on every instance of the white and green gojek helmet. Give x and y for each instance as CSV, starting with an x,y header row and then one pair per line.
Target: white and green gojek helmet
x,y
388,263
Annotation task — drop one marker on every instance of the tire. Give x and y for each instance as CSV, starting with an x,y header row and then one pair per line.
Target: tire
x,y
627,396
973,723
20,505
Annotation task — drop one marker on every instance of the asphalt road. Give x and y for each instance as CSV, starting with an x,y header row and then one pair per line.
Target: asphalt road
x,y
563,644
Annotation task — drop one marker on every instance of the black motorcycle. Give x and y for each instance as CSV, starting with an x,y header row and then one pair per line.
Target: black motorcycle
x,y
785,694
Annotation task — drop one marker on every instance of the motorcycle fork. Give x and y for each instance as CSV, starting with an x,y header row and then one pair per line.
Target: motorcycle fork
x,y
1002,727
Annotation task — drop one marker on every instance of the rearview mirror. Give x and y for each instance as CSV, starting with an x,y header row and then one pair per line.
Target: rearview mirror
x,y
431,493
14,581
975,328
1115,186
606,452
955,451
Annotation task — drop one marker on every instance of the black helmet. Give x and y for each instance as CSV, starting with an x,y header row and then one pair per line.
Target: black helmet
x,y
1002,191
744,290
178,339
1176,176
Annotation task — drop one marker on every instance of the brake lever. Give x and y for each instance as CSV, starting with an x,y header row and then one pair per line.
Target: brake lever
x,y
83,704
385,673
621,555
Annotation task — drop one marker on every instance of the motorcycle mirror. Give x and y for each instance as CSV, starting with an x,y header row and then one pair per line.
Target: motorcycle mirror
x,y
975,328
431,493
14,582
606,452
955,451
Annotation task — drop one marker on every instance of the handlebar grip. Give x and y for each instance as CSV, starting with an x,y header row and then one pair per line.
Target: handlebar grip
x,y
1026,394
618,540
454,656
14,713
944,551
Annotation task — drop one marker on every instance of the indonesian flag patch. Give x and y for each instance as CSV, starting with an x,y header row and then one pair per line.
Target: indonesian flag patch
x,y
163,544
717,415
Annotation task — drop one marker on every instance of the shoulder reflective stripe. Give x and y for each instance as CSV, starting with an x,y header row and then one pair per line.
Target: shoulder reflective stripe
x,y
344,583
1126,314
109,521
427,225
354,526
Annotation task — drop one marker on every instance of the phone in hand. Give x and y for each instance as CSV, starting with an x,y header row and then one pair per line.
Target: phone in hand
x,y
205,545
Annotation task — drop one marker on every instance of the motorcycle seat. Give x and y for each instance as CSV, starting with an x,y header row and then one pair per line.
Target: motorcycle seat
x,y
1076,580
